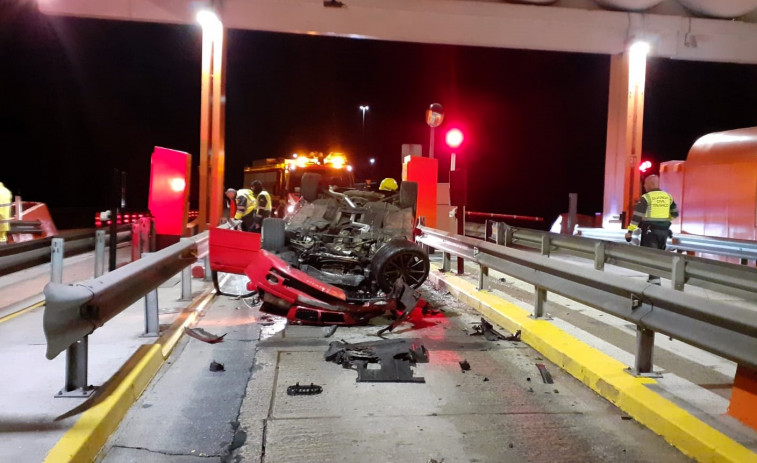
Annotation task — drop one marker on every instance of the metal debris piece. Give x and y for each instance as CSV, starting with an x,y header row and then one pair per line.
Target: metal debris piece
x,y
464,365
215,366
393,356
407,300
330,331
204,336
487,330
312,389
545,375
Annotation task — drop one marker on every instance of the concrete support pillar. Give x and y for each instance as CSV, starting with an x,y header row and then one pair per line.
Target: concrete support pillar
x,y
625,120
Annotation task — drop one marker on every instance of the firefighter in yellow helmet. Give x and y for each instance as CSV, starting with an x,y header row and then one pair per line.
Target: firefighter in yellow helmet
x,y
389,185
245,205
5,213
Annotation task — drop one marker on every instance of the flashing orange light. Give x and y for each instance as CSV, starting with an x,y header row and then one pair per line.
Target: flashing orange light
x,y
645,166
336,160
454,138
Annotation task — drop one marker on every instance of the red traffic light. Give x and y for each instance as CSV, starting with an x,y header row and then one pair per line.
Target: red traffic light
x,y
644,166
454,138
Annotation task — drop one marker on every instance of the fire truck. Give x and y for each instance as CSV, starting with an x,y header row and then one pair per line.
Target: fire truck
x,y
282,177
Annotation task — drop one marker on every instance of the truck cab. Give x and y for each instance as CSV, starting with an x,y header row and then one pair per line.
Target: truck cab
x,y
282,177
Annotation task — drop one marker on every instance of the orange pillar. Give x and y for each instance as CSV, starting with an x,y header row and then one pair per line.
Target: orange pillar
x,y
425,172
744,396
212,125
625,120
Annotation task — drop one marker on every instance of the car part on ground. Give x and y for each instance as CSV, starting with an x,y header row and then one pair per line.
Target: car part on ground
x,y
395,357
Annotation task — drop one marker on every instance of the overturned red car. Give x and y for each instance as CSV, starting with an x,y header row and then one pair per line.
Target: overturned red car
x,y
342,257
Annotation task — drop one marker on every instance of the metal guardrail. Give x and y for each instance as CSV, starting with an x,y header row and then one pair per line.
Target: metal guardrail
x,y
740,249
722,329
681,269
19,256
72,312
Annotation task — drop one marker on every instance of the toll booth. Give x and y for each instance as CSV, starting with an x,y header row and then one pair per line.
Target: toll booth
x,y
169,194
716,187
425,172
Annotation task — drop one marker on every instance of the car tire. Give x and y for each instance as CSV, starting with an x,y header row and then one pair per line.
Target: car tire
x,y
310,185
409,196
400,258
273,234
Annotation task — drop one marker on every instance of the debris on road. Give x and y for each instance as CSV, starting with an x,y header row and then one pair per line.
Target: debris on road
x,y
394,357
487,330
464,365
330,331
312,389
215,366
204,336
545,375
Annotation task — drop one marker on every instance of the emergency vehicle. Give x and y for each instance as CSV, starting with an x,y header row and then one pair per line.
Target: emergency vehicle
x,y
282,177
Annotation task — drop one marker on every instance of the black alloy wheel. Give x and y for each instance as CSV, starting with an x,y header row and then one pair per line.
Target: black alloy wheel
x,y
399,258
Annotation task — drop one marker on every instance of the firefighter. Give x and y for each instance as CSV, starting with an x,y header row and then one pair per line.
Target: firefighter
x,y
652,215
245,202
389,185
230,203
264,203
5,213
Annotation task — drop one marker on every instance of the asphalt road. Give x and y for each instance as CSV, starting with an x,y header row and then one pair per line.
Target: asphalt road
x,y
500,410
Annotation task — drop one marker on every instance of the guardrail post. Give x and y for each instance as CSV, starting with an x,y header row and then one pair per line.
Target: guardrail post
x,y
545,244
678,274
136,242
152,322
56,260
446,258
76,371
508,234
186,283
540,298
208,271
99,252
499,233
599,255
644,352
483,274
152,326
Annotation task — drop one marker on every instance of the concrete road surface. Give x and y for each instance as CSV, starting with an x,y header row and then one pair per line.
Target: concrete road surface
x,y
500,410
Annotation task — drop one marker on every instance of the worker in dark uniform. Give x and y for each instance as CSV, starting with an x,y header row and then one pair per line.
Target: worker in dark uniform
x,y
652,215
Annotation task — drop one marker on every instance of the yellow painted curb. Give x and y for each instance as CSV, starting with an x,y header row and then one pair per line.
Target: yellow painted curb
x,y
604,375
21,312
113,400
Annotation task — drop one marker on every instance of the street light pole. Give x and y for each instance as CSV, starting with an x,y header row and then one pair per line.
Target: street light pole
x,y
364,108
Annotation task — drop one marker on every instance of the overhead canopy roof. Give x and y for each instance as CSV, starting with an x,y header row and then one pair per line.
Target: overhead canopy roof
x,y
570,25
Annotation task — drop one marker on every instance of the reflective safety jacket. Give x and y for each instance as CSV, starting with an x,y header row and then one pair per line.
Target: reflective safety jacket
x,y
656,207
5,210
264,203
245,203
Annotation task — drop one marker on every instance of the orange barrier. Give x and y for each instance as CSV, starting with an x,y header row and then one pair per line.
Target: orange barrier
x,y
743,405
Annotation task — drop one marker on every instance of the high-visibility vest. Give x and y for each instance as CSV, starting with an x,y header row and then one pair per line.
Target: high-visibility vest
x,y
245,203
5,210
268,205
658,206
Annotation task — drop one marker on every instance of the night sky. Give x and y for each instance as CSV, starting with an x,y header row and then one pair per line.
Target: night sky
x,y
80,97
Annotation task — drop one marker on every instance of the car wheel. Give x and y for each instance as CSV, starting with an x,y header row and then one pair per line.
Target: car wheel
x,y
399,258
310,186
273,234
409,195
